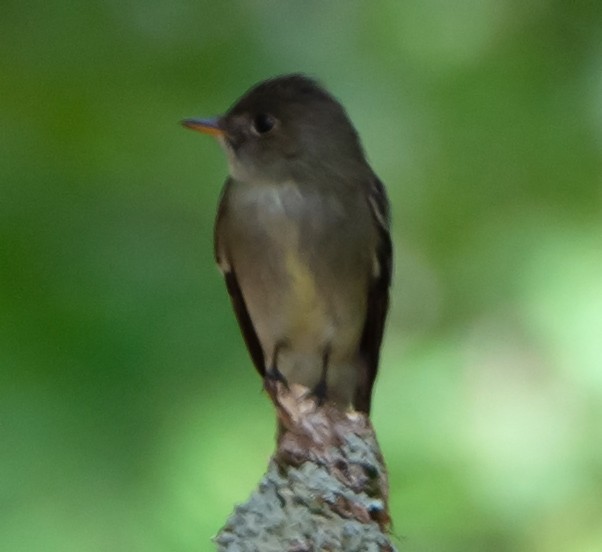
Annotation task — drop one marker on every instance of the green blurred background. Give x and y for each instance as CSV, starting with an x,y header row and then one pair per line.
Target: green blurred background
x,y
130,416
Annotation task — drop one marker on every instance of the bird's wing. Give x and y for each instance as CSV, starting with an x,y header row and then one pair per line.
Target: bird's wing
x,y
238,301
378,293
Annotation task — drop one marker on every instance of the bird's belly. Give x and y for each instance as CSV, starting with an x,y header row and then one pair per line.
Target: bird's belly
x,y
304,288
290,302
305,324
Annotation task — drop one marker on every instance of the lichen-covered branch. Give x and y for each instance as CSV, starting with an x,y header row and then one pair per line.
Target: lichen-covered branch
x,y
325,488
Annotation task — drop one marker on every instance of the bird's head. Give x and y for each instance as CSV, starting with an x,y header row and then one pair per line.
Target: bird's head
x,y
282,128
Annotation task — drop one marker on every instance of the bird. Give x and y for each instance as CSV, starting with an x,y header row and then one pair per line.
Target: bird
x,y
302,238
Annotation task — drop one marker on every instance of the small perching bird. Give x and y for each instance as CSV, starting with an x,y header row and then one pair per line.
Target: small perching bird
x,y
302,238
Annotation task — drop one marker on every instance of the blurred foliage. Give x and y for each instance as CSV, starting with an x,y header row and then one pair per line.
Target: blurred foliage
x,y
130,416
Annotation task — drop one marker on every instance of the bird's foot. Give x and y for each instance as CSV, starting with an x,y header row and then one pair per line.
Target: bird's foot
x,y
319,392
272,378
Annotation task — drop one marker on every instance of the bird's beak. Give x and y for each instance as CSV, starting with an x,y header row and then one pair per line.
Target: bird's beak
x,y
207,126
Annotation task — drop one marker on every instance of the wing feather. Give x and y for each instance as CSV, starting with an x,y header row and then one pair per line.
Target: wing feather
x,y
236,296
378,294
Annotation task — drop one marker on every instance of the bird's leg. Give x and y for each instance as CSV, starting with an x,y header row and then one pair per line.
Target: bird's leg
x,y
321,389
272,374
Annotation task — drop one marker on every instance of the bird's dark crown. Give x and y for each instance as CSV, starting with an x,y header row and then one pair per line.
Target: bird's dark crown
x,y
293,88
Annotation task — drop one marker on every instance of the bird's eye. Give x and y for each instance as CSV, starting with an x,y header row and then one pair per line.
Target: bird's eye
x,y
263,123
